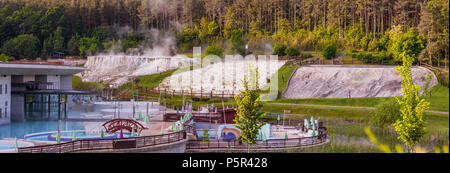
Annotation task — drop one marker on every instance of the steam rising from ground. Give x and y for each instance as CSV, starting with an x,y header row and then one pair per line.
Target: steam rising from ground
x,y
155,43
155,54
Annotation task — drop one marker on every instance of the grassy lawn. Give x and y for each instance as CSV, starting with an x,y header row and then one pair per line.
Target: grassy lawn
x,y
78,84
148,81
338,148
308,111
439,100
315,54
284,73
363,102
349,60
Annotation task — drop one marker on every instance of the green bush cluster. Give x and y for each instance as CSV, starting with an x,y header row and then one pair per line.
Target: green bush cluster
x,y
5,58
78,84
329,51
306,55
380,57
214,50
386,113
278,49
291,51
283,50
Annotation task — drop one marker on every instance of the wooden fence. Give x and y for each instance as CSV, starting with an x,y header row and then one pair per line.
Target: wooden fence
x,y
193,94
102,144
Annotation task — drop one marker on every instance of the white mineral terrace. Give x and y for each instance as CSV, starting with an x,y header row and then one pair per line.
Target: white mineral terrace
x,y
118,70
325,81
222,76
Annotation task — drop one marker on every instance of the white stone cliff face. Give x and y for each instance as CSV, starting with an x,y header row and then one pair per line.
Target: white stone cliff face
x,y
350,81
117,70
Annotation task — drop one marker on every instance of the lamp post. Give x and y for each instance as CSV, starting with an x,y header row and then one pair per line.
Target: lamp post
x,y
284,115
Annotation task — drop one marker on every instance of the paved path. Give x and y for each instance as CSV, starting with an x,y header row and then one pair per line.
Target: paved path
x,y
352,107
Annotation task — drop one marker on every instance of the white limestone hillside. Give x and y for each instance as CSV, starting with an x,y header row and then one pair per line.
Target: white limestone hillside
x,y
354,81
221,76
117,70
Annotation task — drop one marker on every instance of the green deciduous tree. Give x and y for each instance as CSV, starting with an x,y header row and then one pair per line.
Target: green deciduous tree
x,y
72,45
411,126
279,49
329,51
5,58
87,46
21,47
409,43
291,51
237,42
54,43
214,50
386,113
247,113
113,46
207,31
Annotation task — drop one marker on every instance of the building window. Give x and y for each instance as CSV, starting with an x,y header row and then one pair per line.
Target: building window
x,y
1,88
1,112
6,88
6,112
6,103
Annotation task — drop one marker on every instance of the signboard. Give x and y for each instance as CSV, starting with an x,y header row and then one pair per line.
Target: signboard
x,y
123,144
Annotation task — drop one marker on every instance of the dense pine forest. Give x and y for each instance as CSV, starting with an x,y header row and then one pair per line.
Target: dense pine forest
x,y
32,29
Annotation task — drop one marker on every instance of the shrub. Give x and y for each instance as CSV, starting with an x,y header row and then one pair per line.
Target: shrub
x,y
205,137
87,46
386,113
329,51
306,55
279,49
213,50
380,57
78,84
25,46
5,58
237,43
291,51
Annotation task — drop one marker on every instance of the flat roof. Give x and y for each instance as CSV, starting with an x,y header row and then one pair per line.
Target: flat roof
x,y
38,69
55,91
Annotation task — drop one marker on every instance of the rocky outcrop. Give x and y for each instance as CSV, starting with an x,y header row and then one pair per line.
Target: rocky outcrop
x,y
327,81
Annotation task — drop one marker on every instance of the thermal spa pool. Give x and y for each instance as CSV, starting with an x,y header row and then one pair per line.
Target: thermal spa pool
x,y
67,136
81,117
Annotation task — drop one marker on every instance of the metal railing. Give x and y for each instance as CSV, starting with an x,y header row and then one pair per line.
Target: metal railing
x,y
268,144
102,144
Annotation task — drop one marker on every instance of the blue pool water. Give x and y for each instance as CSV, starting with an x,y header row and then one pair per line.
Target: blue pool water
x,y
20,129
68,136
6,147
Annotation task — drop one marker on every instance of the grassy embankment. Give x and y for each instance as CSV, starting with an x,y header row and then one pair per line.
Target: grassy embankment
x,y
78,84
147,82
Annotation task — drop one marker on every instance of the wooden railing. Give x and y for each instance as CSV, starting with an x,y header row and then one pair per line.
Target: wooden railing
x,y
102,144
268,144
191,93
